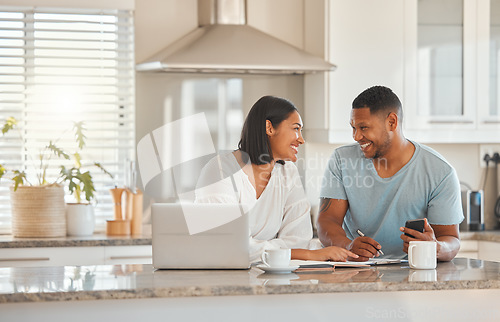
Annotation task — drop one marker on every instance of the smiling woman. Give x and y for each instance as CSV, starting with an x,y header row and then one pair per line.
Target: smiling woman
x,y
286,138
262,126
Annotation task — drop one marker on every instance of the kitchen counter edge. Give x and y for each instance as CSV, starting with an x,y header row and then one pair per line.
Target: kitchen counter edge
x,y
8,241
246,289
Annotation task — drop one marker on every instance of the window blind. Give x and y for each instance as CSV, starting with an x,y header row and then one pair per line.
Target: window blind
x,y
59,66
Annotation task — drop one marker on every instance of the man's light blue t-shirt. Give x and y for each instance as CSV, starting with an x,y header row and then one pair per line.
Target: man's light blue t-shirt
x,y
426,187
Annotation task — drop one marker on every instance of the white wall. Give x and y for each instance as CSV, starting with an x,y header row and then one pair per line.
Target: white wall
x,y
160,22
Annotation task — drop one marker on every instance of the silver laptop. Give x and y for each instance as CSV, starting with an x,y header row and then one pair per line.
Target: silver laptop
x,y
199,236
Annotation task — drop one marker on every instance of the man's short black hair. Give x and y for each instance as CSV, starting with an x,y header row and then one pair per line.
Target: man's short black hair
x,y
379,99
254,140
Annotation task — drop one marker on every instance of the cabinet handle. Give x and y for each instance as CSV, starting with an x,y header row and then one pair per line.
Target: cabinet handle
x,y
25,259
451,121
128,257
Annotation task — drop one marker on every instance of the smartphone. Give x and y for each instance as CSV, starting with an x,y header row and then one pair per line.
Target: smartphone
x,y
416,224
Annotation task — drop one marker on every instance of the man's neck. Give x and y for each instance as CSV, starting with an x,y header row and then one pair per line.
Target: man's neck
x,y
400,153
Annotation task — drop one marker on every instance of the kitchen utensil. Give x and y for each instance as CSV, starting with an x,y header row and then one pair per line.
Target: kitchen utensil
x,y
118,227
116,193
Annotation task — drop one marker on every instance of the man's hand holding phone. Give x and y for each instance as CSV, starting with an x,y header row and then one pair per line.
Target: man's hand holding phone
x,y
418,229
416,225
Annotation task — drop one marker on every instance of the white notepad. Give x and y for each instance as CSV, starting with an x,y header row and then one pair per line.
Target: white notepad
x,y
372,262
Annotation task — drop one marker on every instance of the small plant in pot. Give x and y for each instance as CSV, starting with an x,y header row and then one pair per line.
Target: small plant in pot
x,y
29,202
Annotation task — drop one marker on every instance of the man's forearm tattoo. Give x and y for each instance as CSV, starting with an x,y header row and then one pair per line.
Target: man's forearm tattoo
x,y
325,204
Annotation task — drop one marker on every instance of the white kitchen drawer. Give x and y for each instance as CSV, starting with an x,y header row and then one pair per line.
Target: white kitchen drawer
x,y
141,254
489,251
469,246
469,249
51,256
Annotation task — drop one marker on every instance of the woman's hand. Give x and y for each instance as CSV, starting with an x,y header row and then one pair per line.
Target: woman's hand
x,y
332,253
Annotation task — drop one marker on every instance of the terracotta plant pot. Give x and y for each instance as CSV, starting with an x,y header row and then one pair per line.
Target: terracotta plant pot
x,y
38,211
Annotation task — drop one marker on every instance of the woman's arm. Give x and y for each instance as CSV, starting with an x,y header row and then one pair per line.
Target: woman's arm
x,y
296,227
331,253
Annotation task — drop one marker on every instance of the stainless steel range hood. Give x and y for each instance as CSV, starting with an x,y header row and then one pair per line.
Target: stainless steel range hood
x,y
224,43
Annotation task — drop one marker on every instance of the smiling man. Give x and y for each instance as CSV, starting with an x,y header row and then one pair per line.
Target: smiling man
x,y
383,180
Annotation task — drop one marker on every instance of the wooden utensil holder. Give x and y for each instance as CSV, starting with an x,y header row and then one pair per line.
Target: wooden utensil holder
x,y
136,213
131,221
118,227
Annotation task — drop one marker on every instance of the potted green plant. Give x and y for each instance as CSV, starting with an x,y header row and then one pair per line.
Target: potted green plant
x,y
33,201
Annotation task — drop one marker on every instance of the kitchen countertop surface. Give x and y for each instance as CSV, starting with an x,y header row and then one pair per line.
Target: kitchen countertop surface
x,y
487,235
76,283
8,241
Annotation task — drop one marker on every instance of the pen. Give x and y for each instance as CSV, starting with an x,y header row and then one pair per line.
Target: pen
x,y
363,235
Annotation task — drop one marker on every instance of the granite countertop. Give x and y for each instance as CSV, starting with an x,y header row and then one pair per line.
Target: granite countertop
x,y
487,235
8,241
76,283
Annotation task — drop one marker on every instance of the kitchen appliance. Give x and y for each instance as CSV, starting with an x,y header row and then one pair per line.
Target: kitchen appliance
x,y
473,207
225,43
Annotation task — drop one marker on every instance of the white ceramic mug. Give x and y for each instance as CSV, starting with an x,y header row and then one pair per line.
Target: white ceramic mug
x,y
422,275
277,257
422,254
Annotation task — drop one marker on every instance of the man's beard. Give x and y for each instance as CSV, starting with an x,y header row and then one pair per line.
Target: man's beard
x,y
381,150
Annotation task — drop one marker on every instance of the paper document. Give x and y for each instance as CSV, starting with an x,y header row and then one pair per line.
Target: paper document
x,y
386,261
326,264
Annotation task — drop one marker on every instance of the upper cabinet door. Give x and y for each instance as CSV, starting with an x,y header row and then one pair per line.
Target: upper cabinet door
x,y
365,39
492,114
441,58
451,53
366,42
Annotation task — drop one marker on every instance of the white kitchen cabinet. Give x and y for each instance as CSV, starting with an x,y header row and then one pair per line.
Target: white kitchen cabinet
x,y
437,63
469,249
493,113
75,256
51,256
484,250
128,254
489,251
367,44
447,77
365,39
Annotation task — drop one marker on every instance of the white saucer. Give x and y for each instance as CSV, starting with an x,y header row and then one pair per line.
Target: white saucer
x,y
277,270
